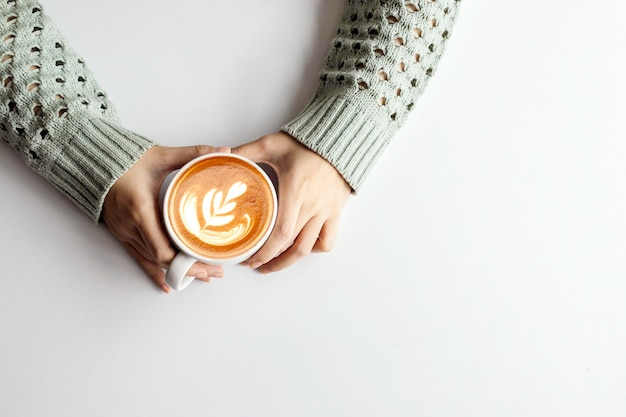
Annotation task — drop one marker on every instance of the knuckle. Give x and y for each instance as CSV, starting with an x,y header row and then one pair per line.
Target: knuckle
x,y
284,232
324,245
300,251
163,256
202,149
266,144
137,206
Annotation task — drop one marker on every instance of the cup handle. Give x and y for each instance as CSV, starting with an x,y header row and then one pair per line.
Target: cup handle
x,y
176,274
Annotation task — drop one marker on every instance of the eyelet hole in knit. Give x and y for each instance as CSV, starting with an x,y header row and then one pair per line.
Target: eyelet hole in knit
x,y
38,110
401,66
7,81
34,68
32,87
433,23
411,7
59,97
382,75
8,38
62,112
417,57
12,18
43,134
391,19
35,50
379,52
399,92
362,84
382,101
6,58
37,30
417,32
12,106
398,40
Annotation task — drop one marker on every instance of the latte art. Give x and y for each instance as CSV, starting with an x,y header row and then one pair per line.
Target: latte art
x,y
220,208
216,224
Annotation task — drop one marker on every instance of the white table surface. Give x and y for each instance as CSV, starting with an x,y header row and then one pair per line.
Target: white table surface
x,y
480,272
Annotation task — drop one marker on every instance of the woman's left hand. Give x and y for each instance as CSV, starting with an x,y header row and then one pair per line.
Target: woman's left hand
x,y
311,196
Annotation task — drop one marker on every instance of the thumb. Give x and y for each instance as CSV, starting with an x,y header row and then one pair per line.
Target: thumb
x,y
254,151
177,157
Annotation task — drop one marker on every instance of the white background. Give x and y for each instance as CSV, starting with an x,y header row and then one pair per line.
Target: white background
x,y
480,272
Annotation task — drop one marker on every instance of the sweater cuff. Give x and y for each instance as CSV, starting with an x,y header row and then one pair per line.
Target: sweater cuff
x,y
98,153
343,133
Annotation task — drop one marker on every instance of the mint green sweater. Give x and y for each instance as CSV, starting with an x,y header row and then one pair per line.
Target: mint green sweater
x,y
55,115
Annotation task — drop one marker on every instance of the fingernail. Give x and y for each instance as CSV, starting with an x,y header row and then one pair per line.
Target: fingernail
x,y
255,265
166,289
265,270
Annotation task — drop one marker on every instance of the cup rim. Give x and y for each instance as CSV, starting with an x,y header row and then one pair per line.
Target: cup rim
x,y
218,261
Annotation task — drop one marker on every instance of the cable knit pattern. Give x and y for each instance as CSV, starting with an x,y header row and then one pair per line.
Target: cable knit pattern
x,y
54,114
378,65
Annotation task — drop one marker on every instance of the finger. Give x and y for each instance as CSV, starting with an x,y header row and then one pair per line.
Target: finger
x,y
155,239
301,247
177,157
205,272
289,206
253,151
160,251
326,240
136,241
153,270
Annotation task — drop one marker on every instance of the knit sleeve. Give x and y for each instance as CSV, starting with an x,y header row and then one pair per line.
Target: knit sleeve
x,y
378,65
54,114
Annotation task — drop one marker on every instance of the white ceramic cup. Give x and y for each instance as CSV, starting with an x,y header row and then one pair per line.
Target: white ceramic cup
x,y
176,275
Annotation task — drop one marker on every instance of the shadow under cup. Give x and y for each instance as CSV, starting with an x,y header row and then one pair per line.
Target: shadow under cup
x,y
219,209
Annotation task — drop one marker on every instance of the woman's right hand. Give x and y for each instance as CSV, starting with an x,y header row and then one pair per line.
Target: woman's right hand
x,y
131,212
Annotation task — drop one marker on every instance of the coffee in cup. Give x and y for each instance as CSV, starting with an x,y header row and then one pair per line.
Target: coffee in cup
x,y
219,208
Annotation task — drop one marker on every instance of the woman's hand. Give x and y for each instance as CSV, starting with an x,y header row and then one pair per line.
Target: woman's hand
x,y
131,212
311,196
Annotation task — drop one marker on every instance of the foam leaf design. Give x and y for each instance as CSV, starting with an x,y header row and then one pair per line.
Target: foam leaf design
x,y
216,211
216,208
